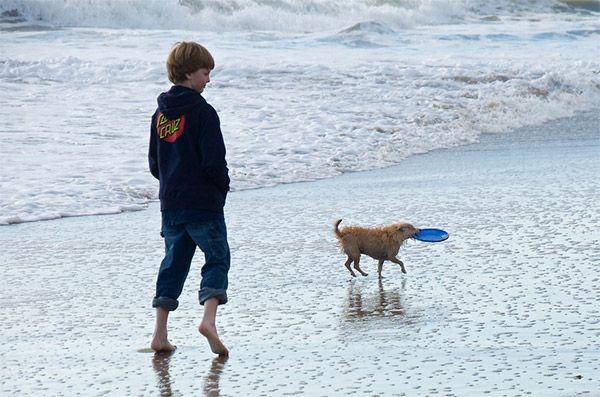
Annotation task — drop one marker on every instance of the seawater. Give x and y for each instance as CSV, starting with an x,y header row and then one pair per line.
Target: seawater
x,y
305,89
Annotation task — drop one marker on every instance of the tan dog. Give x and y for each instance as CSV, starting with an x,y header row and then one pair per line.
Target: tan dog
x,y
382,243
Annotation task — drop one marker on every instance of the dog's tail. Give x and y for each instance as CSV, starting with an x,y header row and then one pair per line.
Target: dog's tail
x,y
335,228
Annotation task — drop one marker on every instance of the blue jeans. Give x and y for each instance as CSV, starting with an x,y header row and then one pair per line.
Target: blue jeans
x,y
180,245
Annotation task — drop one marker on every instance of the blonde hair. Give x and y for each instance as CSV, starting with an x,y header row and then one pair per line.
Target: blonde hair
x,y
187,57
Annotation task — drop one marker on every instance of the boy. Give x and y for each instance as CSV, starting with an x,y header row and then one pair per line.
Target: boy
x,y
187,156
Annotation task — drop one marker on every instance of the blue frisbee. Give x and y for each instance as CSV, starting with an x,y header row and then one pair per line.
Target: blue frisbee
x,y
431,235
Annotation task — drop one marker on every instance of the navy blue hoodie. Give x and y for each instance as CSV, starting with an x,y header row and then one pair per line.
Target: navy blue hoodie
x,y
187,152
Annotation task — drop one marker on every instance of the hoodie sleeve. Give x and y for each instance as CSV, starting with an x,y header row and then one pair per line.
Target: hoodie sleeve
x,y
152,150
212,148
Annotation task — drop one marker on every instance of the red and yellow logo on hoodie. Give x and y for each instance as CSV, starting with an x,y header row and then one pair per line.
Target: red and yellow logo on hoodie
x,y
169,130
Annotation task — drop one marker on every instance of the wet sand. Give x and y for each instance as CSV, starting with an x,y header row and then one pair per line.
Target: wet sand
x,y
507,306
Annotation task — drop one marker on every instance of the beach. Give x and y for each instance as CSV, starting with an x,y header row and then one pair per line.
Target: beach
x,y
507,306
474,117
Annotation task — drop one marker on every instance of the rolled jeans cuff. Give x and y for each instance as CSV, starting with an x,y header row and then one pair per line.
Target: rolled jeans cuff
x,y
165,303
206,293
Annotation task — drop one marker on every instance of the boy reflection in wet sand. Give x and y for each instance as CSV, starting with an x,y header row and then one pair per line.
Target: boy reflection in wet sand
x,y
211,383
161,362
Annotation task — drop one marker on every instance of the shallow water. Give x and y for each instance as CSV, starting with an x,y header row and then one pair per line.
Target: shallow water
x,y
306,89
506,306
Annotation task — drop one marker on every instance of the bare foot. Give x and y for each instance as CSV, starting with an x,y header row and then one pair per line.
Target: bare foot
x,y
210,333
160,344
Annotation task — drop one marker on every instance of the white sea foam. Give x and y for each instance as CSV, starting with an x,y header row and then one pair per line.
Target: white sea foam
x,y
233,15
305,89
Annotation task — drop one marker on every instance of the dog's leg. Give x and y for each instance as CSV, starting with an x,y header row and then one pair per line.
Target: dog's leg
x,y
398,261
380,267
347,264
358,268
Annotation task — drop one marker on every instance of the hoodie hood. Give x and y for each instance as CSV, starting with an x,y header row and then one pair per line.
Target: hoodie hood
x,y
178,100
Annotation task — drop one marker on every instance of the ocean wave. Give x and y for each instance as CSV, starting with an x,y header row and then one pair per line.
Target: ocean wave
x,y
73,70
266,15
359,94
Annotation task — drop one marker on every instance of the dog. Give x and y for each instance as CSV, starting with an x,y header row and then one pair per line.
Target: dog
x,y
381,243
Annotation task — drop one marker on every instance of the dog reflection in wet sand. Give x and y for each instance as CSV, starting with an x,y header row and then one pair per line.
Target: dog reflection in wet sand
x,y
381,243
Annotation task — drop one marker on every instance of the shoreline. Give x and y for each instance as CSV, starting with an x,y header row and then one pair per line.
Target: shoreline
x,y
506,306
482,140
